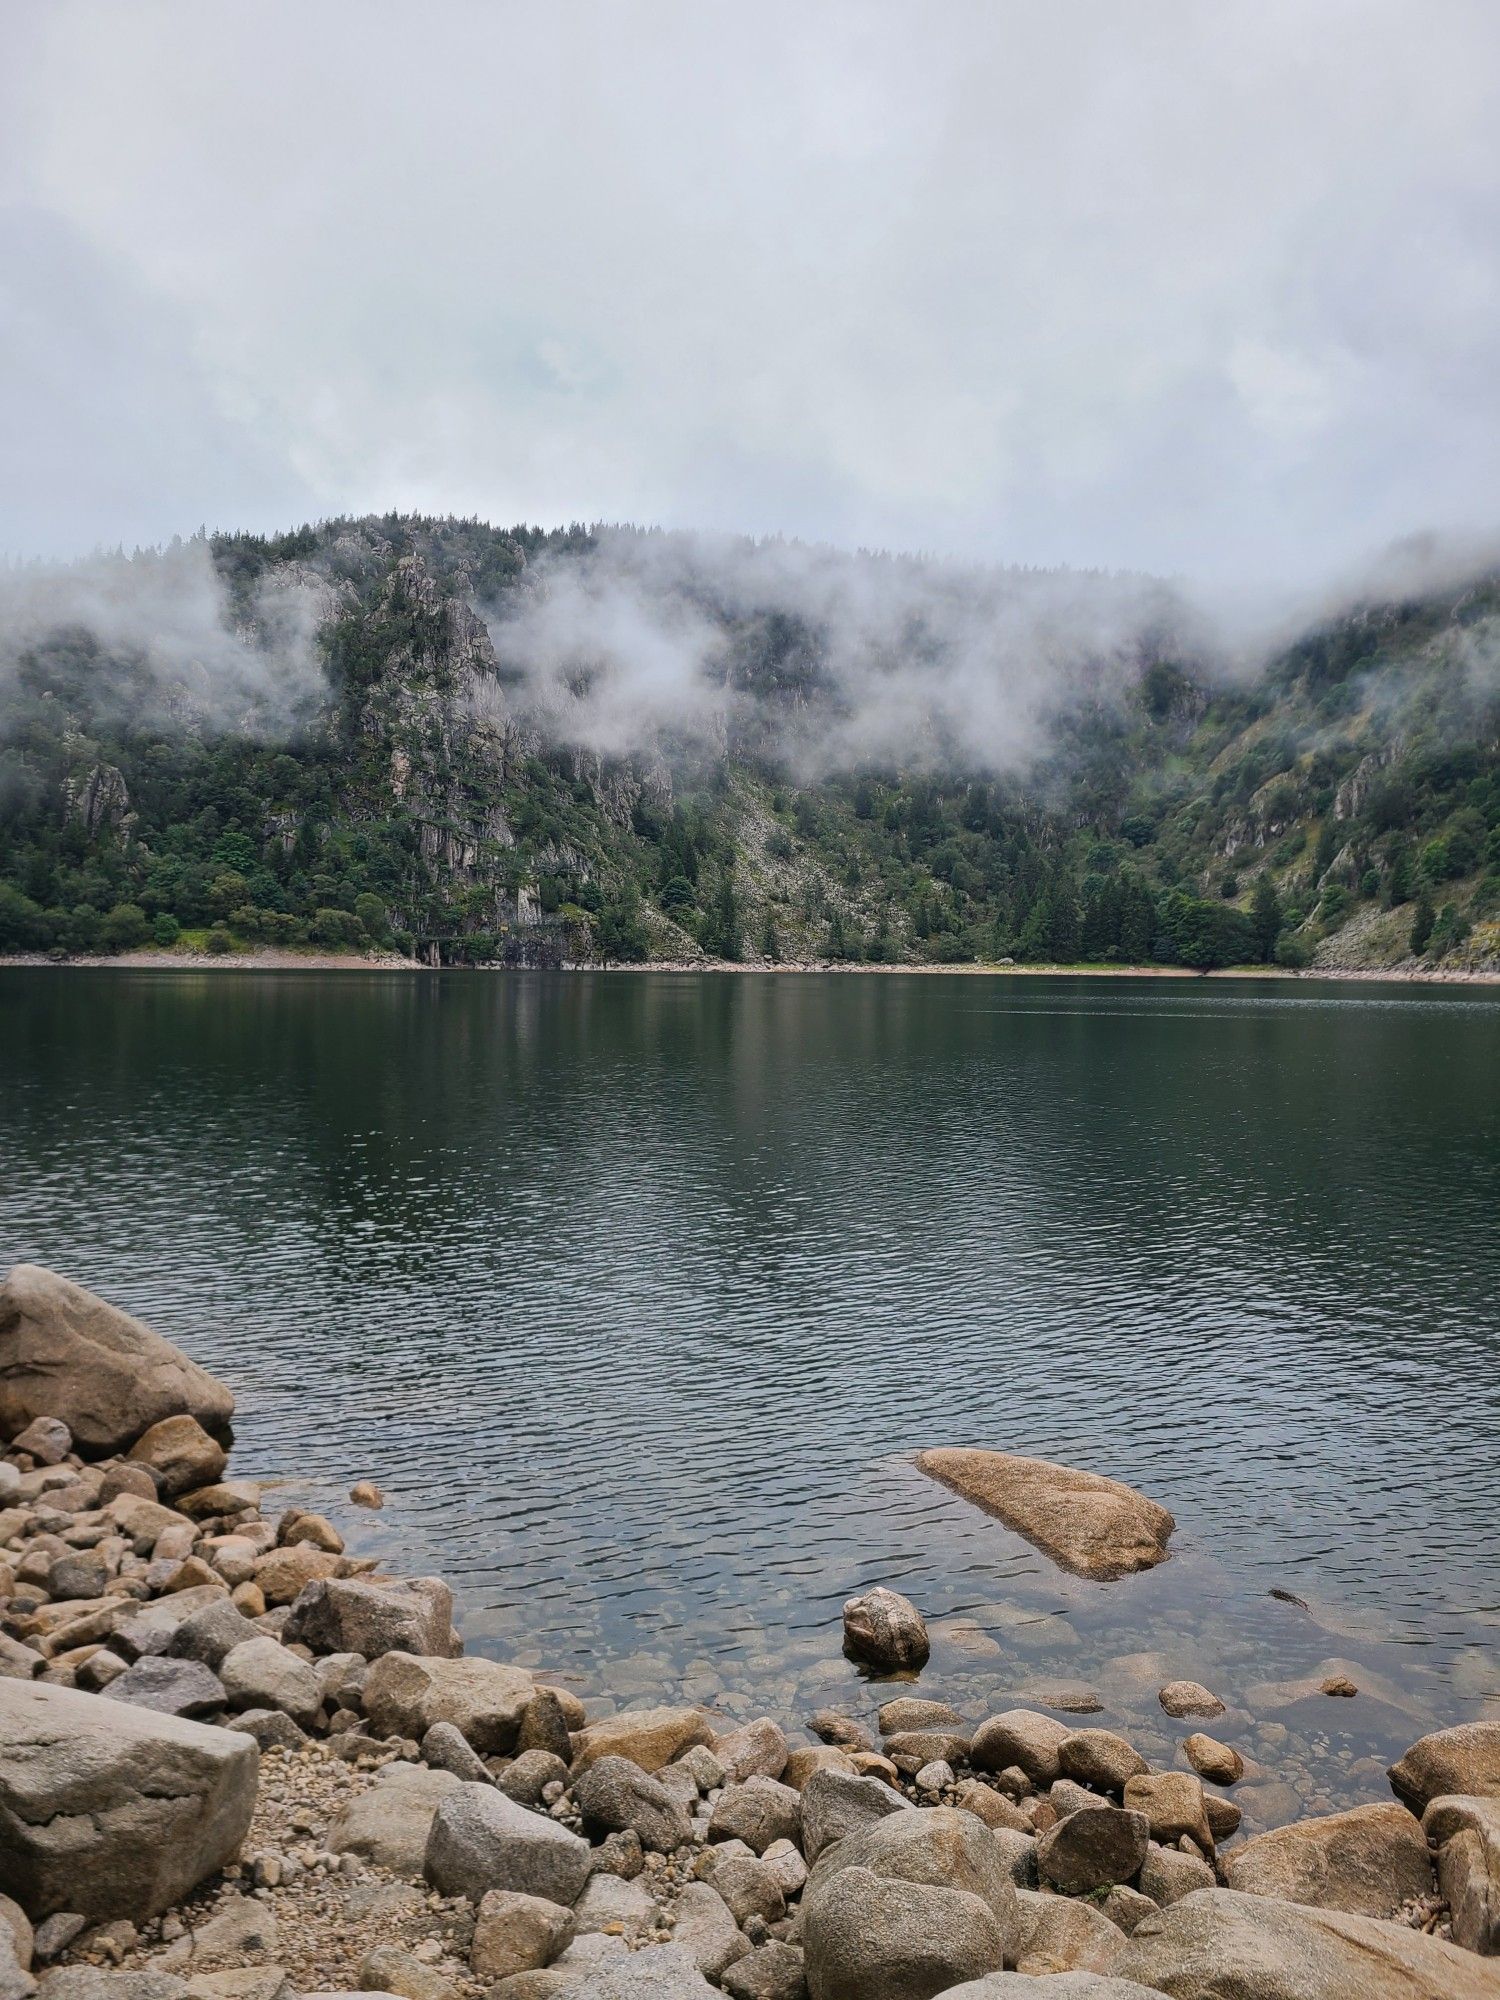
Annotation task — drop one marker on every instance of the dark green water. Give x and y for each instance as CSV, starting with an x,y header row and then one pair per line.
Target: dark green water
x,y
637,1292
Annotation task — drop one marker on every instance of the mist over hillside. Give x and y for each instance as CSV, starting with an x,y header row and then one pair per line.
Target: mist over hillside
x,y
537,746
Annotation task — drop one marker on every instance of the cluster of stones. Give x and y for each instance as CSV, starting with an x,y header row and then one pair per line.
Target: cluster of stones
x,y
168,1652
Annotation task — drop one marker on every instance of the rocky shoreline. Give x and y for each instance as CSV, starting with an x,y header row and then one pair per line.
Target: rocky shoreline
x,y
240,1761
325,961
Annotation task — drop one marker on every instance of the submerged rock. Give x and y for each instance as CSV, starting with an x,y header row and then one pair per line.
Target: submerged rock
x,y
1180,1698
1090,1525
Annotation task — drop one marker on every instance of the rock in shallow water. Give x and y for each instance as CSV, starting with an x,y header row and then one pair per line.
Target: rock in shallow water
x,y
352,1615
1089,1525
884,1629
1180,1698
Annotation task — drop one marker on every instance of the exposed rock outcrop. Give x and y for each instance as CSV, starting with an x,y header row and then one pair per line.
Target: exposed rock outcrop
x,y
1089,1525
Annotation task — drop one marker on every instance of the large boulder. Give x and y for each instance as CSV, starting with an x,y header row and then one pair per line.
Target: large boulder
x,y
1466,1834
481,1840
1369,1861
389,1823
1062,1934
755,1750
1093,1526
113,1811
1219,1945
1462,1762
65,1353
758,1812
705,1929
360,1615
885,1630
405,1694
878,1937
170,1687
1100,1758
515,1933
649,1737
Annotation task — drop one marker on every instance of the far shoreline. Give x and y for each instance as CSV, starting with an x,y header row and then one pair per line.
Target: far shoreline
x,y
311,961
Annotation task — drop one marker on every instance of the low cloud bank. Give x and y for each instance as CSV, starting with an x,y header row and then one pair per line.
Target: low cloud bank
x,y
163,644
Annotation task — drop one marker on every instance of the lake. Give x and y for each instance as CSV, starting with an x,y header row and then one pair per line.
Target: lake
x,y
637,1292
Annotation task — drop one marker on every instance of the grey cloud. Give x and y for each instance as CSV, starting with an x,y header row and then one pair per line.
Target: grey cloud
x,y
667,644
1198,289
171,648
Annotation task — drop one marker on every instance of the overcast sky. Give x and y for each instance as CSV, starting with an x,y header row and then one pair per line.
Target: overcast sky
x,y
1187,285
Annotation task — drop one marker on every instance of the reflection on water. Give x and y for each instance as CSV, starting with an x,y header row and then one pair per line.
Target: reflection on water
x,y
636,1293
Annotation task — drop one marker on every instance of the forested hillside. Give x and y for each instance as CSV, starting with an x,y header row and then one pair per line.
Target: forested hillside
x,y
375,762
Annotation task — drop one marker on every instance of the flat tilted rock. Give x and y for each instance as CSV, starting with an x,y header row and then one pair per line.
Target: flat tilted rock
x,y
113,1811
1217,1945
1369,1861
1093,1526
65,1353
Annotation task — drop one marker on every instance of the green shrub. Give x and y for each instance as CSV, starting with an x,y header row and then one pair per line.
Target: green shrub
x,y
125,928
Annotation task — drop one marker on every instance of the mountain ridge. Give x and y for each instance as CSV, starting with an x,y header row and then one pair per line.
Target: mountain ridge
x,y
528,746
